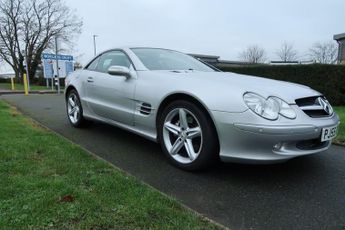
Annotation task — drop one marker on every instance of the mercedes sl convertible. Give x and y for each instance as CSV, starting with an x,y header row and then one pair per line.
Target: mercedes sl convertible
x,y
197,113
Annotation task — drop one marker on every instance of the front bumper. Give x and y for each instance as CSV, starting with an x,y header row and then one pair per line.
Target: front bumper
x,y
247,138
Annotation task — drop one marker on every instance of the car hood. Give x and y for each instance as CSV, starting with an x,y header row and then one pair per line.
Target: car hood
x,y
217,81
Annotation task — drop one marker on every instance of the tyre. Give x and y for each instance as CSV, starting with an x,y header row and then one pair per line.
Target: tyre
x,y
187,136
74,109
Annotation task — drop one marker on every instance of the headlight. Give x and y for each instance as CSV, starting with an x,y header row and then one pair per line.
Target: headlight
x,y
269,108
286,110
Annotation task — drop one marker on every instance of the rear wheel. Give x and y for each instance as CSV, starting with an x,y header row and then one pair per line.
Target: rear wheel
x,y
187,136
74,109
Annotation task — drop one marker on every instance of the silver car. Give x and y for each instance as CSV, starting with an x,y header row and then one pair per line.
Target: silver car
x,y
197,113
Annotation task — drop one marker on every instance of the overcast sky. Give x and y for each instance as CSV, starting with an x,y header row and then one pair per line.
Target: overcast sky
x,y
218,27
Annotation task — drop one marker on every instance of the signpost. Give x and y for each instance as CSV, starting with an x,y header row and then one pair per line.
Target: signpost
x,y
56,65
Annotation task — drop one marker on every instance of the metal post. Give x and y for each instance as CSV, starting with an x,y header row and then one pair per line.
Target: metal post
x,y
12,83
25,80
57,64
27,69
340,53
52,78
94,45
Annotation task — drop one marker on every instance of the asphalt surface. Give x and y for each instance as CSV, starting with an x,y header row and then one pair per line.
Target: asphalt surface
x,y
303,193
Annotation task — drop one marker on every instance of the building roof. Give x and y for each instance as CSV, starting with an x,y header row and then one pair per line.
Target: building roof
x,y
339,36
7,75
234,62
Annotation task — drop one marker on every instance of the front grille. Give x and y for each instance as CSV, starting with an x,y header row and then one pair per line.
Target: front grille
x,y
316,113
312,107
311,144
306,101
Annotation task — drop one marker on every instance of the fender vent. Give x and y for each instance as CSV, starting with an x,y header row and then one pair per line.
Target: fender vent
x,y
145,108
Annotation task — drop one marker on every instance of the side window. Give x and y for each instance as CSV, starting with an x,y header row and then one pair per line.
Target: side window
x,y
112,58
93,64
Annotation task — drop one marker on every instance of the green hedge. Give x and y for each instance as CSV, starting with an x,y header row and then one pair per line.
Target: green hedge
x,y
5,80
327,79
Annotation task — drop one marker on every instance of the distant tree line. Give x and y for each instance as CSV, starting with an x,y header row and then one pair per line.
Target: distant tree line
x,y
320,52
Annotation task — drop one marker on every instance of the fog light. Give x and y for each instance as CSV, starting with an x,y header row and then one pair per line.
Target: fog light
x,y
277,146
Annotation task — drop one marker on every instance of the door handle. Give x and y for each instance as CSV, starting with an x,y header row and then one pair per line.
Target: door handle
x,y
89,79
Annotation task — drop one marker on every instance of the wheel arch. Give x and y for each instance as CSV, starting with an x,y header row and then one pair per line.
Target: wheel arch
x,y
187,97
68,89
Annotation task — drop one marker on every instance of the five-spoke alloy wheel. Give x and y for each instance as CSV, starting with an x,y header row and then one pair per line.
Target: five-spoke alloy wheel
x,y
187,135
74,109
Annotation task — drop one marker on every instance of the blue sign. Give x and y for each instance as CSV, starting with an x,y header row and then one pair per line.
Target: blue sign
x,y
65,64
69,67
59,57
48,68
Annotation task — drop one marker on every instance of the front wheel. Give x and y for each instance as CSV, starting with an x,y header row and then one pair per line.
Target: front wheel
x,y
187,136
74,109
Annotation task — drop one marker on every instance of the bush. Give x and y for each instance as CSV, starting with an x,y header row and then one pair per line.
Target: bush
x,y
327,79
5,80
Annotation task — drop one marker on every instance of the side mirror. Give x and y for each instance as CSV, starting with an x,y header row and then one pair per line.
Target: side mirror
x,y
119,71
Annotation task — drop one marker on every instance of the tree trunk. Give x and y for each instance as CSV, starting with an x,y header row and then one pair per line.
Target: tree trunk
x,y
17,76
32,70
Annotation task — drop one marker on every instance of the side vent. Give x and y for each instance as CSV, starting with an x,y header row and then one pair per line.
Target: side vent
x,y
145,108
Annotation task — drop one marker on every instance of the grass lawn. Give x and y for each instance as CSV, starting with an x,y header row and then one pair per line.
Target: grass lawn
x,y
21,86
48,182
340,110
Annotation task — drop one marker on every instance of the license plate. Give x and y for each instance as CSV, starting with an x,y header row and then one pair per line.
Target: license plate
x,y
328,133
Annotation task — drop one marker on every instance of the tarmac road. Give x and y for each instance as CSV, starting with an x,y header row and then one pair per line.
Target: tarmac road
x,y
304,193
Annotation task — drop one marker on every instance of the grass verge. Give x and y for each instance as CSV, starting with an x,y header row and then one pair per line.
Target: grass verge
x,y
48,182
340,139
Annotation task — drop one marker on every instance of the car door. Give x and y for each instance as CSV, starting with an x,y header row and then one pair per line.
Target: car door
x,y
111,97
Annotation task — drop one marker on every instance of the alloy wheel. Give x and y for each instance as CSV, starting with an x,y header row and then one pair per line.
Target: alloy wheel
x,y
182,135
73,108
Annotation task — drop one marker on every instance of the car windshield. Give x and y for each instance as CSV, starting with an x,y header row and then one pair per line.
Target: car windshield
x,y
161,59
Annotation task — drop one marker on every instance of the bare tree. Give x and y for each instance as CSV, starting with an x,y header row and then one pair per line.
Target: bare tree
x,y
325,52
253,54
287,52
9,43
28,27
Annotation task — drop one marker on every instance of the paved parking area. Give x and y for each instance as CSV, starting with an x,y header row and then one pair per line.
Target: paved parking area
x,y
304,193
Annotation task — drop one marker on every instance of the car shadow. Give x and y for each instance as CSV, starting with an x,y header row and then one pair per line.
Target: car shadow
x,y
149,153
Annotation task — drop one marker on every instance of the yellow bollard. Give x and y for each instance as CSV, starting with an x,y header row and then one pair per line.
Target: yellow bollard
x,y
26,92
12,83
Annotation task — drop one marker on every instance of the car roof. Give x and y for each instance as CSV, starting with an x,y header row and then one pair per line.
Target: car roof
x,y
138,47
138,65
